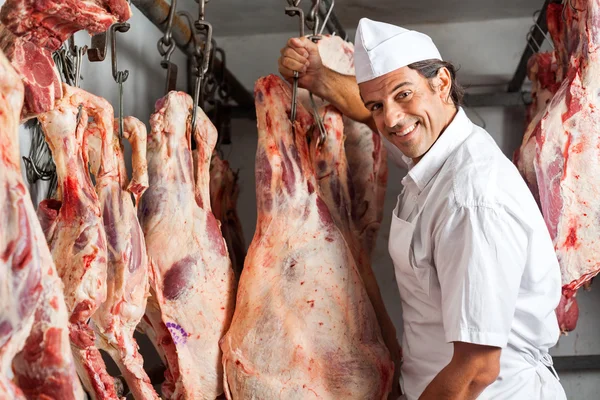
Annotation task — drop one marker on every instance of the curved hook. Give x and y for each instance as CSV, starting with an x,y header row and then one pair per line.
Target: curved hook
x,y
326,19
312,19
114,28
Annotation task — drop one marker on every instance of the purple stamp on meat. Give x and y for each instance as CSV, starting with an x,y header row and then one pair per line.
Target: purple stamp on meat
x,y
178,334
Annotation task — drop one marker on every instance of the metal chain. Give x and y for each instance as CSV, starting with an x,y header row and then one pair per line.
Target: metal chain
x,y
166,44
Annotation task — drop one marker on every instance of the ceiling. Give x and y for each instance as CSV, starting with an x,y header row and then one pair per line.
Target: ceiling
x,y
247,17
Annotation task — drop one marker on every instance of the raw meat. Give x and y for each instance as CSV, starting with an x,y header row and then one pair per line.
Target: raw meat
x,y
303,325
45,368
37,70
23,253
568,161
127,283
367,162
193,284
357,220
542,75
49,23
76,235
136,134
367,170
224,192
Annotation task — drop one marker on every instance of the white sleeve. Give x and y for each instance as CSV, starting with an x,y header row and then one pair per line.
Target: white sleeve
x,y
480,254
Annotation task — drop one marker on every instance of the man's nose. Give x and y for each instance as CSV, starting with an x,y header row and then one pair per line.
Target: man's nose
x,y
393,115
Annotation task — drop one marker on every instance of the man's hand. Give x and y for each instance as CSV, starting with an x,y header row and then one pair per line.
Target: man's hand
x,y
473,368
301,55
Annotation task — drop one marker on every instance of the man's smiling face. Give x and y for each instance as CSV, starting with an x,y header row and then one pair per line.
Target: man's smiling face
x,y
407,110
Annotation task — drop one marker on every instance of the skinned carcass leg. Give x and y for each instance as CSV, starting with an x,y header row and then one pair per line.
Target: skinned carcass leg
x,y
127,283
77,240
567,162
23,253
192,284
224,192
303,325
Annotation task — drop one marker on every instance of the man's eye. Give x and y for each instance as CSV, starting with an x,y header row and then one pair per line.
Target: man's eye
x,y
375,107
403,95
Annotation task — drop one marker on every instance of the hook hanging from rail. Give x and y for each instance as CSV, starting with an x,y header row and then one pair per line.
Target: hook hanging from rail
x,y
119,76
204,27
166,46
294,10
78,53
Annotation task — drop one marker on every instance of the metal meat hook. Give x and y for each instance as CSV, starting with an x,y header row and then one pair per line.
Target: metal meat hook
x,y
202,69
114,28
78,53
166,47
293,11
119,76
97,51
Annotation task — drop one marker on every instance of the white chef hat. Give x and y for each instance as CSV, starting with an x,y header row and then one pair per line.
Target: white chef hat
x,y
381,48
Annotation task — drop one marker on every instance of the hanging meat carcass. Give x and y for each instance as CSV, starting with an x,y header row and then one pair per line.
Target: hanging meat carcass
x,y
49,23
127,283
303,325
32,29
367,169
193,284
22,251
37,70
568,161
542,73
333,175
224,192
75,230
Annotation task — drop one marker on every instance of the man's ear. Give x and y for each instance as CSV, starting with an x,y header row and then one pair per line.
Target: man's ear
x,y
444,84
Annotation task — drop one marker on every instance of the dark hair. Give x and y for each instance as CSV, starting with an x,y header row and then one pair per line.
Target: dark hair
x,y
429,70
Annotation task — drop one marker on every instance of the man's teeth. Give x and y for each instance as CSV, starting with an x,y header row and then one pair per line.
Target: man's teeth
x,y
407,130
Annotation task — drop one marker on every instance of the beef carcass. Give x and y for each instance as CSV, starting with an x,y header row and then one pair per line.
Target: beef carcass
x,y
354,216
192,284
303,325
76,236
22,251
542,67
568,161
32,29
127,283
49,23
37,70
366,158
224,192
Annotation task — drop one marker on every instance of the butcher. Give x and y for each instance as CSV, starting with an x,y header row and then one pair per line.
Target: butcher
x,y
478,277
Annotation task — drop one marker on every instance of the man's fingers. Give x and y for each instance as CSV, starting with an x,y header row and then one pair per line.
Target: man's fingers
x,y
293,65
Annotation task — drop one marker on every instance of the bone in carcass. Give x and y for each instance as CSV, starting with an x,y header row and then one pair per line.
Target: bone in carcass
x,y
49,23
45,368
224,192
333,175
127,283
546,72
367,170
37,70
303,325
568,161
193,284
542,68
23,253
77,238
32,29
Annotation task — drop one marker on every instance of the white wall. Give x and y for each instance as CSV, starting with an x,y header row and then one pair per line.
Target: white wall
x,y
487,53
